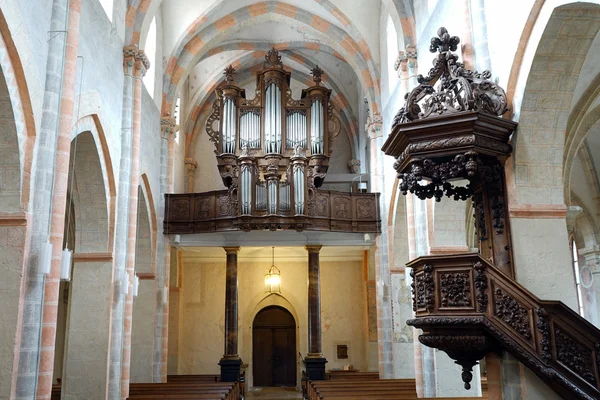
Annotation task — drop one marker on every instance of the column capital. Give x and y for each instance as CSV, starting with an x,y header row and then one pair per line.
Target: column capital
x,y
313,248
135,61
231,249
374,125
406,60
168,128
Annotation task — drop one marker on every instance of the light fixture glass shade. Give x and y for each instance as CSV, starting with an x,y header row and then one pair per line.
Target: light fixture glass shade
x,y
125,283
45,258
136,285
65,265
273,280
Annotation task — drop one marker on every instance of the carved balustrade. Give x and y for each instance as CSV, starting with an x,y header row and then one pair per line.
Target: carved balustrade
x,y
467,307
217,212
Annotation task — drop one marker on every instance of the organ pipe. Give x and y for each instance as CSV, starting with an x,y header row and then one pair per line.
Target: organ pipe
x,y
284,163
246,189
250,130
261,196
284,196
299,183
317,127
272,188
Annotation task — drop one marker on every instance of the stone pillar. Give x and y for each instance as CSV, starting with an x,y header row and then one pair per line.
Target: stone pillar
x,y
231,361
161,327
41,293
378,168
141,65
88,336
134,65
315,362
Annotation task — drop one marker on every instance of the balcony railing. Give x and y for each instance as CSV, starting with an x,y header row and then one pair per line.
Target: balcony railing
x,y
327,211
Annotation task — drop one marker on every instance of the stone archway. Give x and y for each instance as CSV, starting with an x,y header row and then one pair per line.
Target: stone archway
x,y
89,300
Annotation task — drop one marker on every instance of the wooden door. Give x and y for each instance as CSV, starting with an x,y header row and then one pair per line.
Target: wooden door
x,y
274,348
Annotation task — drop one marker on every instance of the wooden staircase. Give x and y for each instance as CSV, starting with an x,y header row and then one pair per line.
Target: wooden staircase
x,y
467,307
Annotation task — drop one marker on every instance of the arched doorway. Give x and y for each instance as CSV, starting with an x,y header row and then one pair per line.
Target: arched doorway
x,y
274,347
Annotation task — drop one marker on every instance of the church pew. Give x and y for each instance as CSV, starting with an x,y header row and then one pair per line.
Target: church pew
x,y
353,386
193,378
335,375
368,390
228,391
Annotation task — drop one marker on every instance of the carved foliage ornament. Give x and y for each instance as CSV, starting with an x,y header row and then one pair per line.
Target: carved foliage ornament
x,y
455,289
574,355
423,287
273,58
481,285
450,88
512,313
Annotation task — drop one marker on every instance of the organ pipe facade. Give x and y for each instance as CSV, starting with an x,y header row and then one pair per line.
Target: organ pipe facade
x,y
272,151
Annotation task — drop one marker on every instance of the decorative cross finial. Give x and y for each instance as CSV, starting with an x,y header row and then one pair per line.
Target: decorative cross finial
x,y
317,73
273,58
229,72
444,42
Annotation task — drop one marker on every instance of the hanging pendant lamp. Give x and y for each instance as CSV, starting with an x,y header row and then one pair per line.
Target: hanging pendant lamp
x,y
273,277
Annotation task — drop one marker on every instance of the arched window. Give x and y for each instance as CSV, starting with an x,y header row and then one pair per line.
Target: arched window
x,y
392,53
108,8
150,50
576,270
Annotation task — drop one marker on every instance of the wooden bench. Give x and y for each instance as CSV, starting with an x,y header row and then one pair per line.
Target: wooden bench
x,y
207,378
193,378
185,390
360,387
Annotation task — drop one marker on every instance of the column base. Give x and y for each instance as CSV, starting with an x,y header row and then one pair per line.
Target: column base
x,y
230,369
315,368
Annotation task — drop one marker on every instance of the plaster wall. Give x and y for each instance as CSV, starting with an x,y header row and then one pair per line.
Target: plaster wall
x,y
449,222
542,261
12,248
88,332
142,334
100,71
203,305
150,143
29,30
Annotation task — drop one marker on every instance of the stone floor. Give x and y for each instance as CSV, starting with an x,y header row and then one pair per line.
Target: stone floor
x,y
274,393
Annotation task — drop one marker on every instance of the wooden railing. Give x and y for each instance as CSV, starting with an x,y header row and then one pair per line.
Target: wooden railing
x,y
467,307
327,211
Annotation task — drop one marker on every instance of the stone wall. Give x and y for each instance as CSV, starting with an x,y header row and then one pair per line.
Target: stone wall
x,y
203,297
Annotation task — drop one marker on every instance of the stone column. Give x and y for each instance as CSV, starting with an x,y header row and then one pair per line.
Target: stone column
x,y
315,362
141,65
161,327
41,293
375,128
231,362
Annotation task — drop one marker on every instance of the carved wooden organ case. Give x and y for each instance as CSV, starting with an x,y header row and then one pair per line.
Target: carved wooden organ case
x,y
273,150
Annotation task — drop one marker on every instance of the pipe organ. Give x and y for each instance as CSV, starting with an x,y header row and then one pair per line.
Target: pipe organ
x,y
273,150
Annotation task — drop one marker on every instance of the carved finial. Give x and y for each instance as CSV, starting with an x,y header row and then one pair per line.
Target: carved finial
x,y
450,87
273,58
444,42
229,73
317,73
